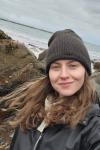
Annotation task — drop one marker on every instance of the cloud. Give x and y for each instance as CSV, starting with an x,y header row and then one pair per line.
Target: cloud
x,y
81,15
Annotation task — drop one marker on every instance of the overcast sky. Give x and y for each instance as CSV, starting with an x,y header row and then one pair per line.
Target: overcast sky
x,y
81,15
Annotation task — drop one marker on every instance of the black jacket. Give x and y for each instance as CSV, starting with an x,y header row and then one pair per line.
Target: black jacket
x,y
86,136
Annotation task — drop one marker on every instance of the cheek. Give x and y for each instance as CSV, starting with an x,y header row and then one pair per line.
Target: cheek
x,y
51,76
79,73
80,77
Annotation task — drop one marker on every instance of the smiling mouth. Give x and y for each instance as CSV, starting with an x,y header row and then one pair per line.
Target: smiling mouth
x,y
65,84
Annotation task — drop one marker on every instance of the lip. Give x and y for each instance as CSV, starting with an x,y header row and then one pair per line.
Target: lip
x,y
65,83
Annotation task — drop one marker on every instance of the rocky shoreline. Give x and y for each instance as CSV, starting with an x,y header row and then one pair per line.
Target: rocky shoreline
x,y
17,66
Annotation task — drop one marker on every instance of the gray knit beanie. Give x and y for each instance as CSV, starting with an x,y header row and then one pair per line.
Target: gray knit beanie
x,y
66,44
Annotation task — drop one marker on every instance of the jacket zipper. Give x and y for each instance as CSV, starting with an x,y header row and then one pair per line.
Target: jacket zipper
x,y
37,142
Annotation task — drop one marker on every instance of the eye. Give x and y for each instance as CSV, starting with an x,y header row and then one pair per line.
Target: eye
x,y
73,65
55,67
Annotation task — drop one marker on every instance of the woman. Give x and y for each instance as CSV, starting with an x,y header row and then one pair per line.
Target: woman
x,y
58,111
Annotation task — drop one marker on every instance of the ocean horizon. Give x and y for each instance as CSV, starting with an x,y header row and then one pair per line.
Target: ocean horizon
x,y
32,36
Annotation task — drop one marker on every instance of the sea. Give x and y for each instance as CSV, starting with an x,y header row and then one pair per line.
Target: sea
x,y
36,39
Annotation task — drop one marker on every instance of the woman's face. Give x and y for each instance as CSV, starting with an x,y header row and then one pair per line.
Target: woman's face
x,y
66,76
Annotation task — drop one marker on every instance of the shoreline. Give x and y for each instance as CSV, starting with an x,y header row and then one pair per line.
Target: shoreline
x,y
31,42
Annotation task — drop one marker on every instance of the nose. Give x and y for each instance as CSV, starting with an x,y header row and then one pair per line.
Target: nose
x,y
64,73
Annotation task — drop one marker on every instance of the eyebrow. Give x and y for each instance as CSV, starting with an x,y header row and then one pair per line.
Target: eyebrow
x,y
73,61
69,61
55,63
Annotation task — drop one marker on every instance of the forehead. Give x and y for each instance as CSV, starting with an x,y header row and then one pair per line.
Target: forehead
x,y
65,61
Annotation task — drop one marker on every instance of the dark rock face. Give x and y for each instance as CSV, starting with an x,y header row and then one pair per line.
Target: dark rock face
x,y
96,66
17,65
3,35
96,79
42,60
96,76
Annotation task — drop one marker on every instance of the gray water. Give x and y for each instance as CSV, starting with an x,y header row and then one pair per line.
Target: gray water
x,y
36,37
33,21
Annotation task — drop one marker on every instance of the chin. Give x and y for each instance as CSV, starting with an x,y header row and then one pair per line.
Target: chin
x,y
67,94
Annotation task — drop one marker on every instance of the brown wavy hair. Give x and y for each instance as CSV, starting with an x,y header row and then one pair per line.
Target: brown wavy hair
x,y
28,102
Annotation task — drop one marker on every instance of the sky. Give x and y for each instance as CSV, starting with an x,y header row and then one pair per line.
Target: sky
x,y
83,16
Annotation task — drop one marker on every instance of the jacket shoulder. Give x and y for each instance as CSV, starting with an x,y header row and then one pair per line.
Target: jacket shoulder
x,y
92,129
